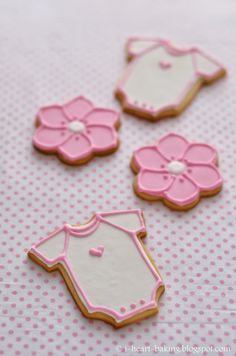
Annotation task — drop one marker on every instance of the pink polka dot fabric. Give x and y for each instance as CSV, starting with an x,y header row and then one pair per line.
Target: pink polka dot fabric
x,y
52,51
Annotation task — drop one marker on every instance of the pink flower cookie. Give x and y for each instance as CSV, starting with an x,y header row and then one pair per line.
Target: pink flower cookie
x,y
176,171
105,266
161,79
76,131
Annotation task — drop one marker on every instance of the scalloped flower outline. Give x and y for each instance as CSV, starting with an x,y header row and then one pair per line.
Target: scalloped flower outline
x,y
76,131
176,171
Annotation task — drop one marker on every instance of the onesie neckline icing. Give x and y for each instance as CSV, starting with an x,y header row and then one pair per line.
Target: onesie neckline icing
x,y
84,230
170,49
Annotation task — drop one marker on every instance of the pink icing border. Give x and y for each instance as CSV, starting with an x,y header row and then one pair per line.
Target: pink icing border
x,y
163,193
170,48
85,230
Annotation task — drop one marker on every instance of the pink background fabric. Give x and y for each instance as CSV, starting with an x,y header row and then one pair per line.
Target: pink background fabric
x,y
52,51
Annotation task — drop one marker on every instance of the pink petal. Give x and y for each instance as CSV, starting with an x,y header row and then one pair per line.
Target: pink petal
x,y
182,192
172,146
77,108
200,153
52,116
102,117
153,182
76,148
207,177
48,139
102,137
149,157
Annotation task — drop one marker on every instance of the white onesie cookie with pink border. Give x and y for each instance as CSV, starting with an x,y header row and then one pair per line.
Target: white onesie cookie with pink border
x,y
161,79
105,265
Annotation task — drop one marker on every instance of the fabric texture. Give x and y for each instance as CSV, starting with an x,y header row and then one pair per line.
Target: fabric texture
x,y
51,52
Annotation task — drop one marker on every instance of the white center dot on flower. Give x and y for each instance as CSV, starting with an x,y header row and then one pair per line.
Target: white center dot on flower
x,y
176,167
76,126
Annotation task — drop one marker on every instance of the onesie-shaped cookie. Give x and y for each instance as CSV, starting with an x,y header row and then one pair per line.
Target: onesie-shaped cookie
x,y
105,266
161,79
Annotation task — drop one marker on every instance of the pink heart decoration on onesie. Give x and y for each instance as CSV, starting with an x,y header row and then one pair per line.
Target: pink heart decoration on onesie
x,y
98,252
164,64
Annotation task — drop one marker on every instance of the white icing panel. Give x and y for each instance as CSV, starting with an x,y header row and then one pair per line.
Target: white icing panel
x,y
120,277
131,221
52,247
151,85
205,66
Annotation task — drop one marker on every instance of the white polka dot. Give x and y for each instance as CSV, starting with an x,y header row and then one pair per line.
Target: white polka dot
x,y
176,167
76,126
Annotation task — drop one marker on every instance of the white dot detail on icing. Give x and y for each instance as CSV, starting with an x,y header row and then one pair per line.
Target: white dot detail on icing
x,y
76,126
176,167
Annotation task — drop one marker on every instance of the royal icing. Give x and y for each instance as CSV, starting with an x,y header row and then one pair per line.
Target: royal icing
x,y
123,281
176,167
160,76
164,64
77,130
76,126
97,251
177,170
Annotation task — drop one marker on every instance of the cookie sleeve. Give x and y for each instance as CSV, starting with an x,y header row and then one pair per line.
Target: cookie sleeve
x,y
50,249
206,66
136,46
131,220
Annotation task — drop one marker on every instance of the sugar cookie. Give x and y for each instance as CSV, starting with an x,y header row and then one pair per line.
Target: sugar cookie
x,y
105,265
161,79
76,131
176,172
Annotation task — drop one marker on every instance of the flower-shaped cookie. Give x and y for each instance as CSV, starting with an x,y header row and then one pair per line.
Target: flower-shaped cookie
x,y
76,131
176,171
